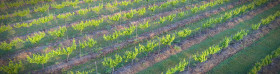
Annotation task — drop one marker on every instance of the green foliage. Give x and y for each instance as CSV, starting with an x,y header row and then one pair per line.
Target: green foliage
x,y
5,28
15,4
167,39
256,26
128,31
204,6
115,17
23,25
177,47
180,67
276,53
264,62
136,1
238,36
181,14
194,9
83,11
259,2
111,37
21,13
88,1
236,11
141,11
36,37
149,47
89,43
144,26
97,9
153,8
171,17
43,20
42,9
174,2
184,33
162,20
4,16
228,15
32,2
5,46
112,62
131,55
8,46
58,32
42,59
12,68
164,5
267,20
82,25
203,56
130,14
71,3
82,72
116,34
226,42
3,5
125,3
110,6
38,59
58,6
65,15
78,72
209,22
183,1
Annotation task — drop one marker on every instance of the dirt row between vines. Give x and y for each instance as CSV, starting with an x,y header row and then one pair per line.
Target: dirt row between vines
x,y
185,44
272,68
22,54
215,59
76,61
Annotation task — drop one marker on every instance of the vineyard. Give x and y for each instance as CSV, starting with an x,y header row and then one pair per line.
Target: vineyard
x,y
139,36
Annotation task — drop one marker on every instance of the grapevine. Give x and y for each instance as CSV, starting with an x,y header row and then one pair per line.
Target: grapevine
x,y
12,68
5,28
38,59
8,46
167,39
144,26
115,17
42,9
240,35
36,38
112,62
184,33
153,8
141,11
180,67
58,6
97,9
124,3
58,32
